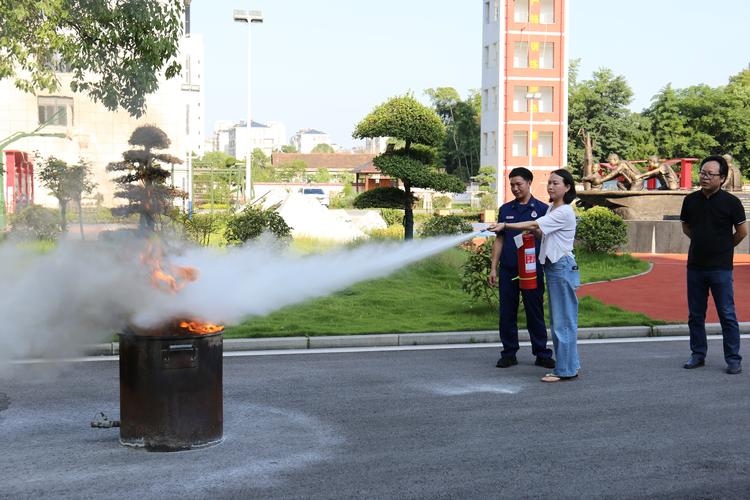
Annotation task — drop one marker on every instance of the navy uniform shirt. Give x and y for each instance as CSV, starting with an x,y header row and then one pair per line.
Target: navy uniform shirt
x,y
511,212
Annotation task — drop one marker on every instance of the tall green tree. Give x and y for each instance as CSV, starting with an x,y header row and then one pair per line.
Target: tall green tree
x,y
143,179
599,106
460,149
79,183
67,183
115,50
53,175
404,118
668,124
700,120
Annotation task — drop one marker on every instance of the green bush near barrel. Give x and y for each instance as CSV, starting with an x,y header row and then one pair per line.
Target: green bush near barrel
x,y
600,230
444,225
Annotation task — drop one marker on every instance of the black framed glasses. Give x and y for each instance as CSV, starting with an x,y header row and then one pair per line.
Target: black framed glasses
x,y
707,175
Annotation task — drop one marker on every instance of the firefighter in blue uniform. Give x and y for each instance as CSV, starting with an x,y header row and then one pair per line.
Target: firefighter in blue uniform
x,y
524,208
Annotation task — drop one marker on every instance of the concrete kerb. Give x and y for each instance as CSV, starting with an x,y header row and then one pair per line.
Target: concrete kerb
x,y
428,338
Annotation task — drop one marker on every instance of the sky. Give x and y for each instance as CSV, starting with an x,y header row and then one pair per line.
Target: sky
x,y
326,64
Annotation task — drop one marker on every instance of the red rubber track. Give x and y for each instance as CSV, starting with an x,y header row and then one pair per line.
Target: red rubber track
x,y
662,292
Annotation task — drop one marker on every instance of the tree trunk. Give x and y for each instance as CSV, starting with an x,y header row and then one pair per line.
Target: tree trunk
x,y
80,218
408,214
588,159
64,216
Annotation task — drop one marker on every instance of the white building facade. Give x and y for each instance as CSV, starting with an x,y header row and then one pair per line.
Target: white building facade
x,y
99,136
266,137
305,140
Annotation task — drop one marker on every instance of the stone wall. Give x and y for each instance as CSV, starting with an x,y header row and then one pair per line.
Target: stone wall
x,y
664,236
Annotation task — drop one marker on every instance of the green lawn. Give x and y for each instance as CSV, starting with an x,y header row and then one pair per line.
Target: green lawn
x,y
427,296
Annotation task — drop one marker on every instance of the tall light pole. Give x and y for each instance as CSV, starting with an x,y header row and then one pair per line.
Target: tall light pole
x,y
249,17
530,98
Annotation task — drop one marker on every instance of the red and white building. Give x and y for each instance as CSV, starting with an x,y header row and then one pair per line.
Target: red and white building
x,y
524,89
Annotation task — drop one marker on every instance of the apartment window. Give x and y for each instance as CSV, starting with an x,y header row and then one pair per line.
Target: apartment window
x,y
493,97
521,11
57,64
485,100
495,54
547,55
494,141
55,110
496,10
520,143
547,12
544,149
521,55
520,103
545,103
484,143
187,70
486,56
486,11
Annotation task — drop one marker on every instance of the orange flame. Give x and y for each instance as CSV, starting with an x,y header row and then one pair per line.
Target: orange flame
x,y
200,327
172,280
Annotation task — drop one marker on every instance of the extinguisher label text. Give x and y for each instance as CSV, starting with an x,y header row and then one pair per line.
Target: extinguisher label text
x,y
530,260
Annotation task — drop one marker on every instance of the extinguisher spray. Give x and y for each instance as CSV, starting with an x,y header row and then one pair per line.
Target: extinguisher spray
x,y
526,260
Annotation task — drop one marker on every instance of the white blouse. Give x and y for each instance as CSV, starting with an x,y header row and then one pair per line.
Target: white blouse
x,y
558,227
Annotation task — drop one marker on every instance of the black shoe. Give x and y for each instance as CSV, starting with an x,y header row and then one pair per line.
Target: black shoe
x,y
734,369
545,362
694,363
506,362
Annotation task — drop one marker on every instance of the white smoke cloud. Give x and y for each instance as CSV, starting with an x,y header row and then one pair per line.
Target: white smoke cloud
x,y
84,293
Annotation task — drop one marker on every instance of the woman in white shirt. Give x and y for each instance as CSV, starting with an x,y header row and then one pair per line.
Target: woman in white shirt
x,y
558,229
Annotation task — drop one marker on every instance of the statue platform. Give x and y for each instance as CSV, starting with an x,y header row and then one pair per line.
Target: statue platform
x,y
636,205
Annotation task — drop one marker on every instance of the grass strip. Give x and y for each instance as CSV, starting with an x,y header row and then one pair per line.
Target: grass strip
x,y
426,297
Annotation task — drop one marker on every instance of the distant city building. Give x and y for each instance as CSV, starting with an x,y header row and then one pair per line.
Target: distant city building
x,y
524,88
376,145
99,136
306,139
266,137
221,135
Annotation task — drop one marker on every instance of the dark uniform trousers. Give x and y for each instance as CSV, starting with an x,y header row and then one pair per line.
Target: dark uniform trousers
x,y
533,302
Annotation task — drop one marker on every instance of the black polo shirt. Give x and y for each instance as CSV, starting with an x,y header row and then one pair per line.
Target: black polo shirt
x,y
711,221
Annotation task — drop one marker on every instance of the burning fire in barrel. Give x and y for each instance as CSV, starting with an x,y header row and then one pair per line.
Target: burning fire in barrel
x,y
171,386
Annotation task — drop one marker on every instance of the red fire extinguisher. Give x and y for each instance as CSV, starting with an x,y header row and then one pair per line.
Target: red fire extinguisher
x,y
527,262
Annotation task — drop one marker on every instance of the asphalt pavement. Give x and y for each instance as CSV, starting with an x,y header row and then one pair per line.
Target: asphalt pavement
x,y
421,422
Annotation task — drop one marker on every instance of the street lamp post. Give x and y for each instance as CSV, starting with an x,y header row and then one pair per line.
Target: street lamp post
x,y
249,17
530,98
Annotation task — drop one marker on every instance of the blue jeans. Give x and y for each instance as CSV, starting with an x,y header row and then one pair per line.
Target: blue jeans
x,y
562,280
721,284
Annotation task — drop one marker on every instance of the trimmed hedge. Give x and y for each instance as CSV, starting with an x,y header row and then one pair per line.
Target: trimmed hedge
x,y
600,230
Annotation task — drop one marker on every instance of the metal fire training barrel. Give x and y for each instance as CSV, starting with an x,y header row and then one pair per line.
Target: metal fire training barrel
x,y
171,391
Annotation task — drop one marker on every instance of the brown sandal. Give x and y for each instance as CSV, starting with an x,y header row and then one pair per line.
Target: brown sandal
x,y
552,378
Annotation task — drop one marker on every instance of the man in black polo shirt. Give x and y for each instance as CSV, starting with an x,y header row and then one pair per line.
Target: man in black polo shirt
x,y
714,220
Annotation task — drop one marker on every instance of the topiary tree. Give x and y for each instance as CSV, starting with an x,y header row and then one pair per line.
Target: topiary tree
x,y
144,185
383,197
405,119
600,230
